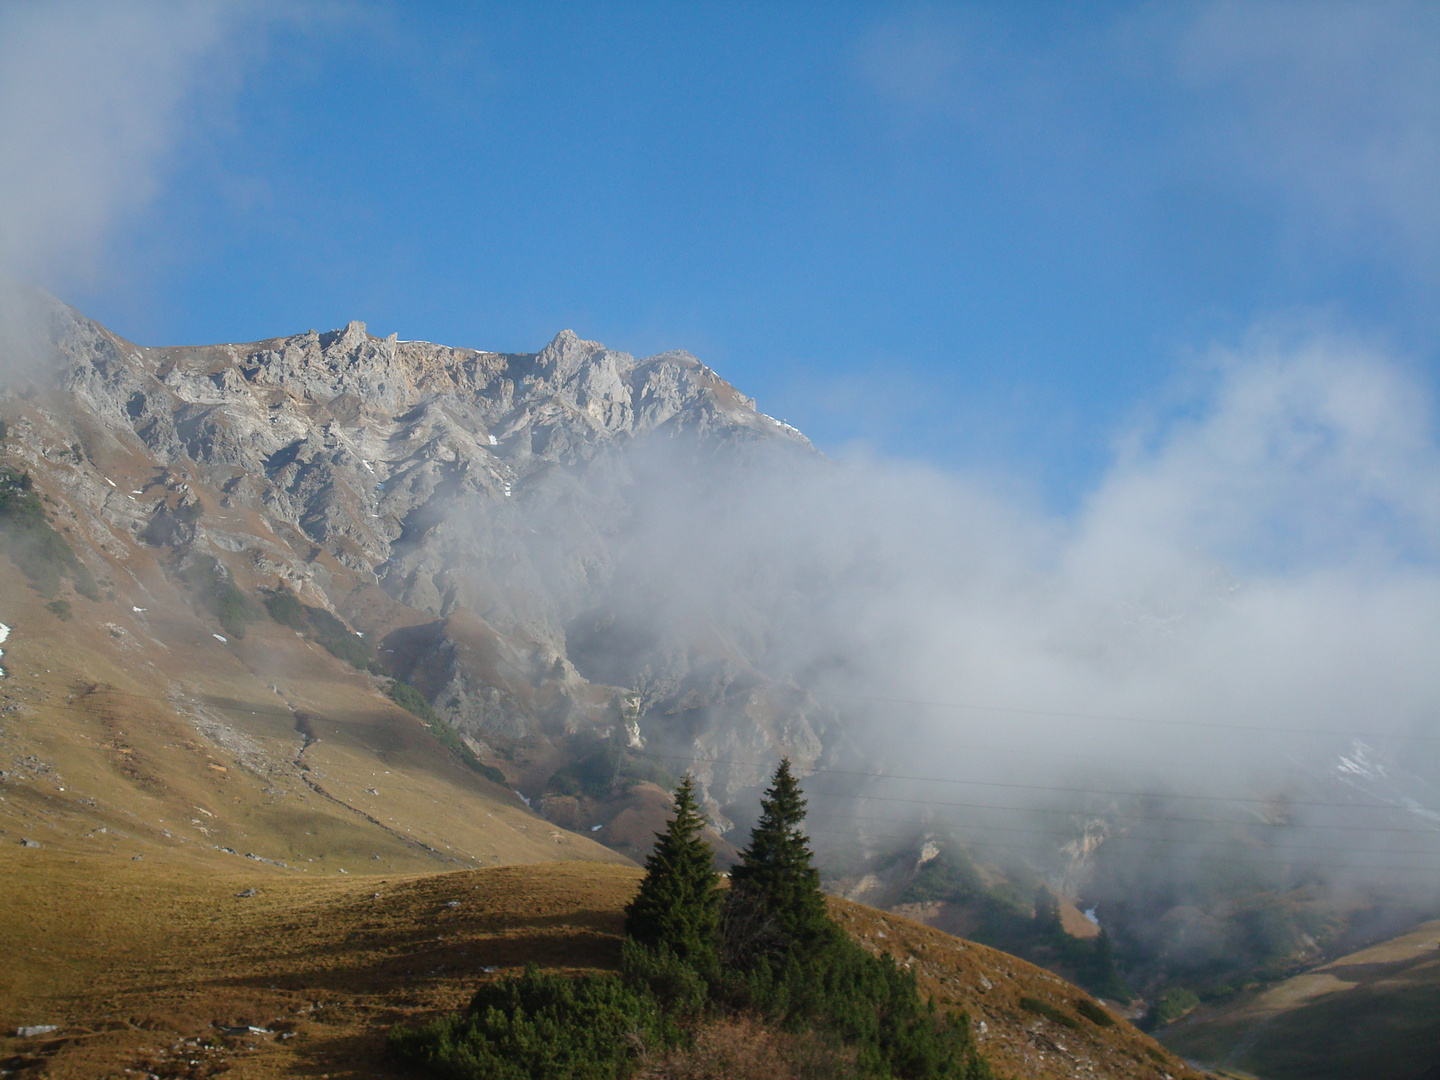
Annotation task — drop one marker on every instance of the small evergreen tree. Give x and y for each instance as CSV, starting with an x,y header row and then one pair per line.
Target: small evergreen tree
x,y
775,906
678,905
1047,913
1101,976
806,975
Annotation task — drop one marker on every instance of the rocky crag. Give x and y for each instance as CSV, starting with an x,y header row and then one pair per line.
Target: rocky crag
x,y
464,511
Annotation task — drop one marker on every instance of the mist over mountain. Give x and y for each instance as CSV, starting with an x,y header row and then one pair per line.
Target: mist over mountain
x,y
1247,586
602,570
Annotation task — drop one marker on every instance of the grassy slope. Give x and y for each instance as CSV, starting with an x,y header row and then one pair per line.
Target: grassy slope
x,y
1374,1014
133,958
189,739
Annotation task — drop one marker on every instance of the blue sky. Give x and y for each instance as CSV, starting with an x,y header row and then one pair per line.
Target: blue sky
x,y
988,236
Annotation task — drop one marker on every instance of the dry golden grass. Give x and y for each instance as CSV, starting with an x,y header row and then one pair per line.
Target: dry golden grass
x,y
267,745
132,959
144,964
989,985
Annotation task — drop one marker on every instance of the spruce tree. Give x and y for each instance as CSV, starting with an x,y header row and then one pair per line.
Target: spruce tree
x,y
678,905
775,906
1047,914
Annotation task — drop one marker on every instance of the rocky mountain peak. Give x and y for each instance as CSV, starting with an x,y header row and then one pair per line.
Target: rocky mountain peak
x,y
339,465
347,340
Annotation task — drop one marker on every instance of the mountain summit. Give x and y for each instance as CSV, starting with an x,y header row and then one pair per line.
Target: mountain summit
x,y
459,516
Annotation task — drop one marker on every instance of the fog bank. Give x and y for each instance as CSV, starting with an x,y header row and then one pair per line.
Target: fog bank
x,y
1250,589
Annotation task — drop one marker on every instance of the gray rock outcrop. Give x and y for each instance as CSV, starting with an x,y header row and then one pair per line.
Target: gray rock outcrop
x,y
489,494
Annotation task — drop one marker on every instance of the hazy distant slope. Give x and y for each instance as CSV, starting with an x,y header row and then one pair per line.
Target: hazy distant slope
x,y
1373,1014
139,732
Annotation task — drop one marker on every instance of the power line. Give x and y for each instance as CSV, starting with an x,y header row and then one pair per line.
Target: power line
x,y
1149,840
985,806
1155,856
1036,787
1126,817
1109,717
924,779
1020,711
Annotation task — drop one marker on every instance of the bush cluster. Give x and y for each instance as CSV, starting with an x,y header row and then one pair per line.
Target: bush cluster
x,y
603,769
1041,1007
332,635
1094,1012
41,553
413,702
1172,1004
698,958
541,1025
219,595
323,628
1026,926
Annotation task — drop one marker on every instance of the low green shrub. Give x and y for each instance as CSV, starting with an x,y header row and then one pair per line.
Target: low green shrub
x,y
1171,1005
413,702
41,553
286,609
332,635
599,772
870,1004
540,1024
1043,1008
951,876
233,609
218,594
60,609
664,975
1008,918
864,1014
1094,1012
326,630
491,773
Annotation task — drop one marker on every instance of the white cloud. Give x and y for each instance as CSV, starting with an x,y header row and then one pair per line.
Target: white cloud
x,y
1327,113
96,101
1268,557
1309,452
919,58
1335,104
93,100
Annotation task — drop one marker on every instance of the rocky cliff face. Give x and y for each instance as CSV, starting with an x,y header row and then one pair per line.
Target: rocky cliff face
x,y
467,510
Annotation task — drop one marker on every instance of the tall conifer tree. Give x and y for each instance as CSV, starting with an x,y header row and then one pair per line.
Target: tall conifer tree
x,y
775,896
678,905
